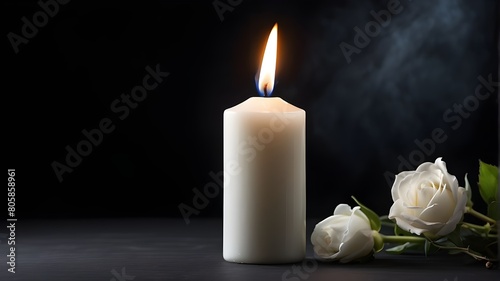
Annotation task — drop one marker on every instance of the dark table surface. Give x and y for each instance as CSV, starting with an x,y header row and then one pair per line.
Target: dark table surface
x,y
168,249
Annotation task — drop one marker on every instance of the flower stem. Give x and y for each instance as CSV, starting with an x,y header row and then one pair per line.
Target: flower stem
x,y
480,215
467,251
473,226
485,229
402,239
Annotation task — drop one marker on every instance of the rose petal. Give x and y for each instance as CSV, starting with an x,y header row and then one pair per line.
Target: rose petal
x,y
358,221
357,241
406,187
408,222
448,178
328,234
418,226
358,246
344,236
396,186
428,199
396,209
343,209
441,207
426,166
413,211
457,213
424,195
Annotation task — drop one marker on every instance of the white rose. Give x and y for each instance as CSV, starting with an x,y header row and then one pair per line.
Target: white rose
x,y
345,236
428,200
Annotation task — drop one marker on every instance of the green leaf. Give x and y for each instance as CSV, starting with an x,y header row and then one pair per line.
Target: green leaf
x,y
455,236
455,252
401,232
477,244
441,240
427,247
493,210
403,247
374,219
444,244
488,182
384,220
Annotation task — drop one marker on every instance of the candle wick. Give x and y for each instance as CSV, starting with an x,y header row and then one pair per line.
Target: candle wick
x,y
265,90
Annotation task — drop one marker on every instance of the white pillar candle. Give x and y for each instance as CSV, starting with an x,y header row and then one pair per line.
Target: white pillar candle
x,y
264,182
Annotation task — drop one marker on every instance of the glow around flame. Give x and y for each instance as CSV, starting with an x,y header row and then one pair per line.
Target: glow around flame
x,y
268,66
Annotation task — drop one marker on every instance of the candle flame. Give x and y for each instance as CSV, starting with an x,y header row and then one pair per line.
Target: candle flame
x,y
268,67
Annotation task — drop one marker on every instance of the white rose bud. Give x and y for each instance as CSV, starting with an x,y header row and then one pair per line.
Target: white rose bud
x,y
344,237
428,200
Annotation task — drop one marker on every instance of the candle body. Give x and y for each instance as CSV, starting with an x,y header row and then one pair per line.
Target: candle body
x,y
264,182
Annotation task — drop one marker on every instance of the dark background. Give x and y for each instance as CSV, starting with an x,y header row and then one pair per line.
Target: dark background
x,y
361,116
